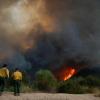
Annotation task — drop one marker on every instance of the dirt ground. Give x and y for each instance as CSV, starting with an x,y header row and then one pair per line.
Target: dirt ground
x,y
46,96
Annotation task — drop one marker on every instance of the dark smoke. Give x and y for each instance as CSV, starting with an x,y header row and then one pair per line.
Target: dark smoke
x,y
77,37
74,41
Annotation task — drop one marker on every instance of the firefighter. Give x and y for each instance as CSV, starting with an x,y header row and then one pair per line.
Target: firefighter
x,y
4,74
17,78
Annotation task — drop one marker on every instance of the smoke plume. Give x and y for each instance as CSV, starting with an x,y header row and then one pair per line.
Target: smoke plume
x,y
49,33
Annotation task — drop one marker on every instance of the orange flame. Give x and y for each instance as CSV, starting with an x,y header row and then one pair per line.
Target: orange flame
x,y
66,73
69,73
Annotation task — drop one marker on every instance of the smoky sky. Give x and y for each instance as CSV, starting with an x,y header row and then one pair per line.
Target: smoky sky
x,y
61,31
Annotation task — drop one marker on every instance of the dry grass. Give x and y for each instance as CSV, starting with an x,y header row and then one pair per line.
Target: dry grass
x,y
97,95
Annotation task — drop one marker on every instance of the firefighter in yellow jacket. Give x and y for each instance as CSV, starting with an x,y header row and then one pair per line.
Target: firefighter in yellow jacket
x,y
4,74
17,78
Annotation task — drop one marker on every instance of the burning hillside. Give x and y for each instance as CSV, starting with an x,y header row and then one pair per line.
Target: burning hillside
x,y
50,33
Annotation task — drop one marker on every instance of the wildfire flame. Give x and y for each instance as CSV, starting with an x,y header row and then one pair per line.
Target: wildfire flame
x,y
66,73
69,72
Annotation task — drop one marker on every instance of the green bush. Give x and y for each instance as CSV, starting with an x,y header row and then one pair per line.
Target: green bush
x,y
71,86
92,81
88,84
45,81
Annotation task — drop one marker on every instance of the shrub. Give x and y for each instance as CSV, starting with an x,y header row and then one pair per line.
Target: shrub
x,y
92,81
93,90
71,86
45,81
26,88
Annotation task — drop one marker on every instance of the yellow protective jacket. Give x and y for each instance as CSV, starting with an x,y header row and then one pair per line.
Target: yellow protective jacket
x,y
4,72
17,75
